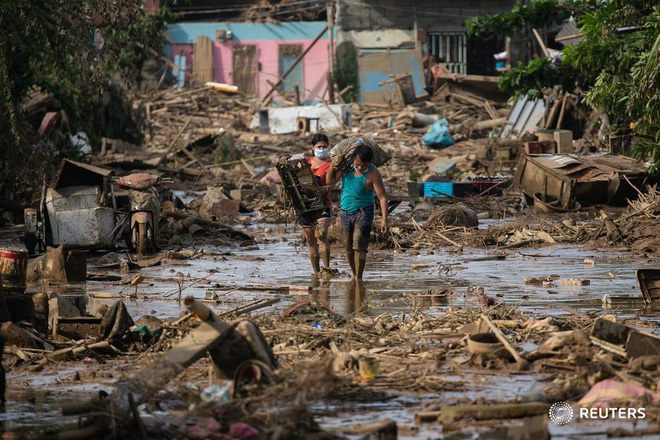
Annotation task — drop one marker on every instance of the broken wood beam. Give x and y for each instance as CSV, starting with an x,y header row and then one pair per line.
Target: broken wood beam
x,y
236,162
546,53
479,125
102,347
385,430
222,87
491,412
522,363
345,90
188,171
173,143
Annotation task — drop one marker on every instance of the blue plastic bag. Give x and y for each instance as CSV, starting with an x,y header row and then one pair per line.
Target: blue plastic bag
x,y
438,134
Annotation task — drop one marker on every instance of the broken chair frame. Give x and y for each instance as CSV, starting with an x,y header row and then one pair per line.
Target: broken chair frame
x,y
300,184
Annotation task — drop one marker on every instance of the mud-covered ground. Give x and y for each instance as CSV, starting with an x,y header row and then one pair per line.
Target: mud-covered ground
x,y
406,313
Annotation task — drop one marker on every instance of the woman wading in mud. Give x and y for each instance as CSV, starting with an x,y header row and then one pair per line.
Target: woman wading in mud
x,y
315,224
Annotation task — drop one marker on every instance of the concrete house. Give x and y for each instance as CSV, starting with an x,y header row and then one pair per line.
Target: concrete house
x,y
380,38
376,42
253,56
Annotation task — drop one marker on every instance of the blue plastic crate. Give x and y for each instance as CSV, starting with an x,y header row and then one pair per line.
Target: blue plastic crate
x,y
438,189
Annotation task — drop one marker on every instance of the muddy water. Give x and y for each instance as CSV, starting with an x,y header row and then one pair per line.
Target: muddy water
x,y
393,282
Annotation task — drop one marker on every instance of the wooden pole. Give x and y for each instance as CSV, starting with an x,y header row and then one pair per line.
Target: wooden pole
x,y
331,53
540,41
295,63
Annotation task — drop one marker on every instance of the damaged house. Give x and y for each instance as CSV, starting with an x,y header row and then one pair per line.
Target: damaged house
x,y
379,40
215,42
375,48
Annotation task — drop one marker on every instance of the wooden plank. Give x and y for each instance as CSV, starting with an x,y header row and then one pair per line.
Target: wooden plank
x,y
202,60
470,78
490,412
546,53
561,113
244,68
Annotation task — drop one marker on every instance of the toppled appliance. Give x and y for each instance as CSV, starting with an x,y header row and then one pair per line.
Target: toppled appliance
x,y
300,184
587,180
76,212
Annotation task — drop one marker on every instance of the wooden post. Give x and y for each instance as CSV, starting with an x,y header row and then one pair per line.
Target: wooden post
x,y
295,63
540,41
561,112
331,53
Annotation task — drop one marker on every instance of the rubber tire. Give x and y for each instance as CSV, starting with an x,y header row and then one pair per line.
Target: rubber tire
x,y
142,240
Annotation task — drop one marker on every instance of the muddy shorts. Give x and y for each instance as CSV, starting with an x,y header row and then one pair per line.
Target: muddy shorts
x,y
356,228
308,220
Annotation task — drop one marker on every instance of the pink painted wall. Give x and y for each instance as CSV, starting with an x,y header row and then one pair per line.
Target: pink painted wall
x,y
315,64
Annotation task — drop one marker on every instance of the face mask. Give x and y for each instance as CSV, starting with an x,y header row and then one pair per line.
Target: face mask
x,y
321,154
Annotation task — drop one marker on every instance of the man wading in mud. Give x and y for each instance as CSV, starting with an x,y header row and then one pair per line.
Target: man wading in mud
x,y
360,182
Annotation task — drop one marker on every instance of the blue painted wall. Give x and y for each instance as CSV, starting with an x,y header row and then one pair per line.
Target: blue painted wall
x,y
186,33
396,62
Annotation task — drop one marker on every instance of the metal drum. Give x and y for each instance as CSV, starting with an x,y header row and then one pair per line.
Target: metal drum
x,y
13,267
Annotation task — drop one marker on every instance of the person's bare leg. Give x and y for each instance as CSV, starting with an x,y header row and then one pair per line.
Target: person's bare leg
x,y
313,248
360,262
360,296
350,256
322,229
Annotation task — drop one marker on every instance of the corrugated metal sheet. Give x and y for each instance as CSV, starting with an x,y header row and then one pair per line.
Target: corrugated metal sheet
x,y
525,117
568,28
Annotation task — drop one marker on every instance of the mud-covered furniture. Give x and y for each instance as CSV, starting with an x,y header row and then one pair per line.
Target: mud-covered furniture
x,y
300,184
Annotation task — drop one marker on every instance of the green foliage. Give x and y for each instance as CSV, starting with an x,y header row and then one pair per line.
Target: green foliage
x,y
618,72
535,14
644,99
50,46
530,79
